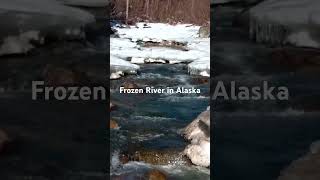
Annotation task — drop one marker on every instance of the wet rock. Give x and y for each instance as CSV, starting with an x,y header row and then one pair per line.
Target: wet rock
x,y
157,157
113,124
305,168
156,175
124,158
130,85
4,140
200,80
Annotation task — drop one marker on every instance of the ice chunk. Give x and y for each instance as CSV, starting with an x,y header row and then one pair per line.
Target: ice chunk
x,y
119,65
20,43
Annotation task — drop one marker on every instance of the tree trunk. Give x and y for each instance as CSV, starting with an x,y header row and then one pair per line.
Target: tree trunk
x,y
127,11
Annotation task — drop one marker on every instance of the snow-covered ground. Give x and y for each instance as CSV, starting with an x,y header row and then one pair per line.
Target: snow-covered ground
x,y
160,31
26,22
129,46
295,22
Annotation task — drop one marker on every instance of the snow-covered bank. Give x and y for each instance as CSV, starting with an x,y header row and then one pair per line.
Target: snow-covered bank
x,y
198,133
293,22
28,22
169,44
120,67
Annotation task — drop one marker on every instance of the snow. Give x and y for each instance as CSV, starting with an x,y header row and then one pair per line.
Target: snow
x,y
18,44
302,38
161,53
158,32
286,21
20,19
200,67
199,149
119,67
199,154
129,46
86,3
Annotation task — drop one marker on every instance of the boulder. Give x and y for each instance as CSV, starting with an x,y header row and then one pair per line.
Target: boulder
x,y
130,85
199,128
155,174
199,153
156,157
198,133
113,124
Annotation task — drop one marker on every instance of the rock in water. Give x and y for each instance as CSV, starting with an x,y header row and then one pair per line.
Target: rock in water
x,y
198,132
157,157
156,175
199,154
199,128
130,85
113,124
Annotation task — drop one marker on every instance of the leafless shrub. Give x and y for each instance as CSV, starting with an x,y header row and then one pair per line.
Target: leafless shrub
x,y
169,11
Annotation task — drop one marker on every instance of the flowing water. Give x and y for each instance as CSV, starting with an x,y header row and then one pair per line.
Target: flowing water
x,y
257,139
153,121
53,139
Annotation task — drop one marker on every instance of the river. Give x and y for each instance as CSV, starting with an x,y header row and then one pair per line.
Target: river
x,y
153,121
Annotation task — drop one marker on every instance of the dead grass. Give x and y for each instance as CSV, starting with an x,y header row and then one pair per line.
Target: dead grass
x,y
168,11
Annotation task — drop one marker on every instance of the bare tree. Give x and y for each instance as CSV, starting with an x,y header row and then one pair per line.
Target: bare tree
x,y
147,8
127,11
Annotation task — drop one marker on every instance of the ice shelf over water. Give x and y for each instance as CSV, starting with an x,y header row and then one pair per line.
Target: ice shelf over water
x,y
23,21
295,22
